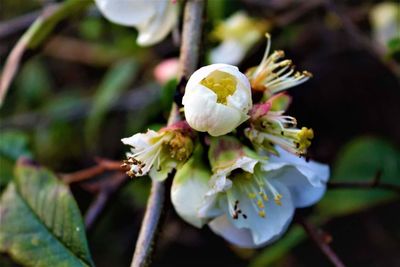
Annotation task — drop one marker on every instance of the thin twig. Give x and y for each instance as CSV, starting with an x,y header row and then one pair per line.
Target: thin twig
x,y
191,37
358,37
189,56
322,240
376,182
102,166
107,190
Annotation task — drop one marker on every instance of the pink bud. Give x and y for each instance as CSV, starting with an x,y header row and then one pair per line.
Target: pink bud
x,y
166,70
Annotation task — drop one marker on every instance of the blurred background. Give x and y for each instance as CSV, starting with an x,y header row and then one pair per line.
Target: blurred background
x,y
89,84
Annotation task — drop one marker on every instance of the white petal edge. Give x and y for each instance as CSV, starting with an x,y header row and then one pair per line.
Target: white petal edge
x,y
188,190
127,12
160,25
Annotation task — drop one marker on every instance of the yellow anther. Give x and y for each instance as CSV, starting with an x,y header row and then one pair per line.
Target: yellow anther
x,y
304,137
264,196
252,195
277,199
260,204
261,213
221,83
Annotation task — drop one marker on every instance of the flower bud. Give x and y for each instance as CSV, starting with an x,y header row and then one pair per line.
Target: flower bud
x,y
217,99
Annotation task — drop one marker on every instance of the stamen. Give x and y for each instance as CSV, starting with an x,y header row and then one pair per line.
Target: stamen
x,y
274,74
222,84
277,195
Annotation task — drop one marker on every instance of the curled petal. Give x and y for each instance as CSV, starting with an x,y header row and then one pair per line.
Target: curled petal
x,y
154,19
160,25
305,180
204,114
125,12
239,237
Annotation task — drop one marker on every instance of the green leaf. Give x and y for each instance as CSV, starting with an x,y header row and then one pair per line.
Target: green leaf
x,y
394,48
278,250
40,222
14,144
115,82
359,161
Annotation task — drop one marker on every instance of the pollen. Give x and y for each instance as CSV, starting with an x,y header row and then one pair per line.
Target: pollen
x,y
180,147
304,137
222,84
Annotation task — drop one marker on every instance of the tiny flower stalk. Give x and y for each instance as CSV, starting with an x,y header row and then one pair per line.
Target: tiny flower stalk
x,y
157,153
275,74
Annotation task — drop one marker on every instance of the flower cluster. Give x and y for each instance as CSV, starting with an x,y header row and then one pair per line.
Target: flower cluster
x,y
256,173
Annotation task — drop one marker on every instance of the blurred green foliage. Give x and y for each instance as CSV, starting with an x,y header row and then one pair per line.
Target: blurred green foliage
x,y
41,224
360,160
13,144
114,83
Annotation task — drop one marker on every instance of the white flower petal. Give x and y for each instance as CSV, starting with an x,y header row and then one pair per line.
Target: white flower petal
x,y
317,173
160,25
228,52
140,140
203,113
154,19
277,217
304,194
127,12
210,208
239,237
305,180
203,72
188,190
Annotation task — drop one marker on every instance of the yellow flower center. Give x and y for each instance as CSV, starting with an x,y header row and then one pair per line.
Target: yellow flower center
x,y
221,83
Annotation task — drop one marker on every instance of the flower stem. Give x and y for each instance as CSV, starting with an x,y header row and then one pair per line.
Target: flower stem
x,y
189,56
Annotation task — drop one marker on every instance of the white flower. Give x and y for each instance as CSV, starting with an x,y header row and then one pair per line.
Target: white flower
x,y
217,99
258,205
157,153
237,35
154,19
